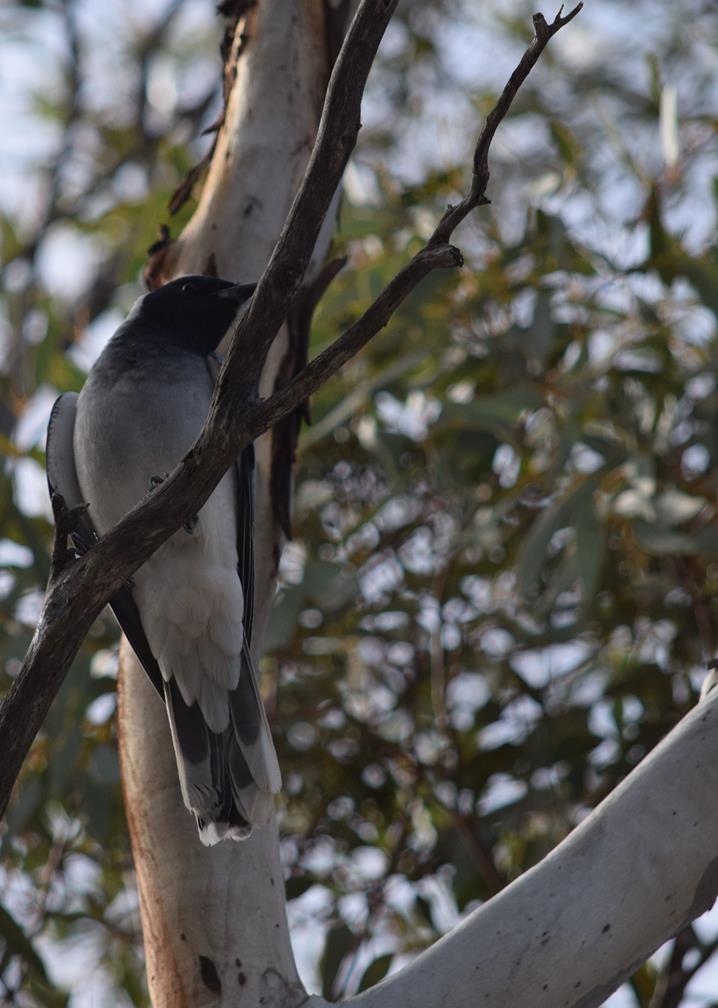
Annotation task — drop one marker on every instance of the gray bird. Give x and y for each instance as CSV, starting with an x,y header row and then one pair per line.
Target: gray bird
x,y
188,610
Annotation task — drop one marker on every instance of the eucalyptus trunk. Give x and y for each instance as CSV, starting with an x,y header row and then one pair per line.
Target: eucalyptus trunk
x,y
214,919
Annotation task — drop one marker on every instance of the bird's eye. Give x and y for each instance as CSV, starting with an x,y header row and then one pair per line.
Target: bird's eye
x,y
189,288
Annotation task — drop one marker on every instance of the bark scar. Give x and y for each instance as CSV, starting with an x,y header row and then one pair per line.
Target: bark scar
x,y
209,974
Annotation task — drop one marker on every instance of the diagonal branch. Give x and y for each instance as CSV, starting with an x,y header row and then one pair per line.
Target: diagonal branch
x,y
346,346
78,593
571,930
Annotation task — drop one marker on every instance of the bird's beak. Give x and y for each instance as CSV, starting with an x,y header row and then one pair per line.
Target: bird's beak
x,y
238,292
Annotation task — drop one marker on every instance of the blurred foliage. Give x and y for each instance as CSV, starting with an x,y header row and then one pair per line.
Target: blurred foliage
x,y
501,591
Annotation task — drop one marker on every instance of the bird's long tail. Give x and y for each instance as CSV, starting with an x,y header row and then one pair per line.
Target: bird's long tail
x,y
228,779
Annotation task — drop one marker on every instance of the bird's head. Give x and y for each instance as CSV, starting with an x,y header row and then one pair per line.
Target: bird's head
x,y
193,312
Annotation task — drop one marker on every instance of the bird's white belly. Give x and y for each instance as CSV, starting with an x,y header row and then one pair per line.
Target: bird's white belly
x,y
188,593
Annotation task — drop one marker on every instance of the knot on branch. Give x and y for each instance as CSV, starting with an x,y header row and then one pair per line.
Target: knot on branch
x,y
457,258
441,256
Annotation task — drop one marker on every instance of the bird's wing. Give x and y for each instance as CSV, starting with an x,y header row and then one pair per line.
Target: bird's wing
x,y
60,464
249,717
251,728
62,479
244,481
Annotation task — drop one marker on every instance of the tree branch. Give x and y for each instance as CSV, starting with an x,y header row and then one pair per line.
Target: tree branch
x,y
543,32
76,597
336,137
574,927
348,345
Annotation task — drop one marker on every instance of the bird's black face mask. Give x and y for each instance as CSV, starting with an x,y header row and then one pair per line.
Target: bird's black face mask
x,y
194,312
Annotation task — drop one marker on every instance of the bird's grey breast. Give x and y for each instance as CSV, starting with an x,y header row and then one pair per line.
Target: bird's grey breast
x,y
139,412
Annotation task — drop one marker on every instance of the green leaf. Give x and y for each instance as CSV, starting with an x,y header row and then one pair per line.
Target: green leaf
x,y
297,885
105,765
376,971
45,994
643,983
498,412
283,618
64,760
566,143
339,943
330,585
29,795
532,553
543,328
659,541
18,942
590,546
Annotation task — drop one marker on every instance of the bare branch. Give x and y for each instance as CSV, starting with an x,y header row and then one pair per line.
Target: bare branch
x,y
637,870
425,261
543,32
78,594
348,345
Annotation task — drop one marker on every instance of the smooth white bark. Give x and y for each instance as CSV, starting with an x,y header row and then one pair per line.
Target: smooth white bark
x,y
214,920
570,931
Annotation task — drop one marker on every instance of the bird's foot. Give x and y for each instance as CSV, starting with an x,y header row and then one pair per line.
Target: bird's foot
x,y
66,522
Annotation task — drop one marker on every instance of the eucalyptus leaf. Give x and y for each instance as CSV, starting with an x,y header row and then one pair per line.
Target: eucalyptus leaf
x,y
339,943
375,971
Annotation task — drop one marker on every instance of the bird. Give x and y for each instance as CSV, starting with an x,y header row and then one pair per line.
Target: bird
x,y
187,611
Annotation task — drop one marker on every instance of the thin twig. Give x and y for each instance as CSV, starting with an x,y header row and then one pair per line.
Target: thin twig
x,y
543,32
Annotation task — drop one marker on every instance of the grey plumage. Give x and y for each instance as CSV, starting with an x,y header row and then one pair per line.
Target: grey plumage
x,y
188,613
